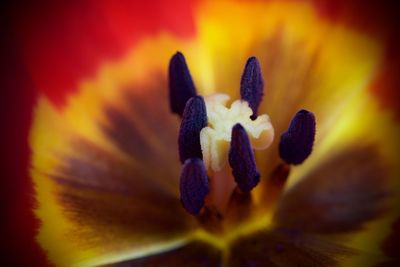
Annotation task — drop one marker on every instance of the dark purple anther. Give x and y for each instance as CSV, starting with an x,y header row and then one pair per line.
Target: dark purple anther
x,y
252,85
181,87
193,185
193,120
297,142
242,161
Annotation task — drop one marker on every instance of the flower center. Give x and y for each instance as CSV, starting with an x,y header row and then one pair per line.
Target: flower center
x,y
212,134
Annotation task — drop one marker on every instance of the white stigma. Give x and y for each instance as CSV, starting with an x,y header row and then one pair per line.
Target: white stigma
x,y
215,138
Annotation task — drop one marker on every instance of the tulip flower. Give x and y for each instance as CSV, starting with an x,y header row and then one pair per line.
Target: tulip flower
x,y
254,142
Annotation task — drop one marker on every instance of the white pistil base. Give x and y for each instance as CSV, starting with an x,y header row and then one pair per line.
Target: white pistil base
x,y
215,138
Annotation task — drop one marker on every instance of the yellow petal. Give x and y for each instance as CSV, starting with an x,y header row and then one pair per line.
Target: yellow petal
x,y
196,254
107,180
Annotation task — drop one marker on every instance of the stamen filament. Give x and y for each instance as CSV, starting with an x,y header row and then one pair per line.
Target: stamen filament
x,y
275,185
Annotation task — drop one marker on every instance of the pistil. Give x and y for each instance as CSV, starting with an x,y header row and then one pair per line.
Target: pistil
x,y
231,133
222,186
216,137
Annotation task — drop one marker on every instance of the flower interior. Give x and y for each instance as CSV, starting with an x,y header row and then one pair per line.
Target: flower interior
x,y
212,135
269,151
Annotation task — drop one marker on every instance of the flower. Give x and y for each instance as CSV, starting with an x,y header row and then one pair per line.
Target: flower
x,y
106,166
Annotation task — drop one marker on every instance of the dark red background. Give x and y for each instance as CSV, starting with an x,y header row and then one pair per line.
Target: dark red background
x,y
47,47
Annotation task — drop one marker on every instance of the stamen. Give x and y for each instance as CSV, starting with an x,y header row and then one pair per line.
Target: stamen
x,y
193,120
252,85
297,142
193,185
181,87
242,161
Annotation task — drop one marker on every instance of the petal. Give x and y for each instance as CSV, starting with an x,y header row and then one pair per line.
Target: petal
x,y
311,67
391,246
108,189
295,52
365,126
196,254
307,62
63,42
284,249
341,194
389,263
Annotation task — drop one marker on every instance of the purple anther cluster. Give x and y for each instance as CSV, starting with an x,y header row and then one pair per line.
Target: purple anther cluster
x,y
294,147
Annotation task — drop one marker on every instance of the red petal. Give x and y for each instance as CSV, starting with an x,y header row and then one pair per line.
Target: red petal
x,y
64,42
